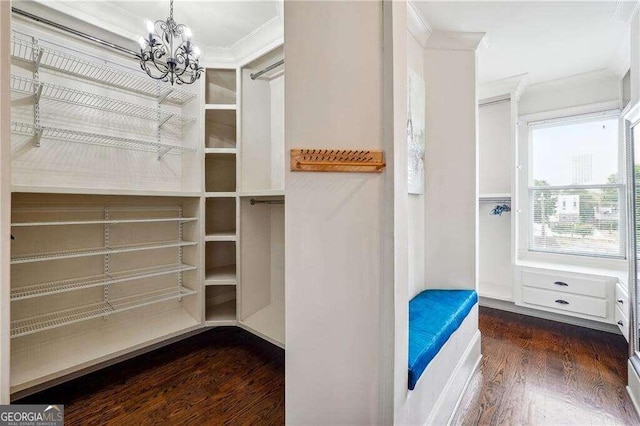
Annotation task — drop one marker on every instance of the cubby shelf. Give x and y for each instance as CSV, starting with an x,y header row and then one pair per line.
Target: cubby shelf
x,y
220,106
262,193
78,97
67,254
221,236
220,194
222,275
220,151
221,313
104,221
23,327
54,287
67,135
49,57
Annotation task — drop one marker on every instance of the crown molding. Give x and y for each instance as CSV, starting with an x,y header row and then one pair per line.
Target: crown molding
x,y
263,39
268,36
455,40
513,86
418,27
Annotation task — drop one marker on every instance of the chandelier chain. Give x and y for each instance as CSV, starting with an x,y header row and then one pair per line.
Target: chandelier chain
x,y
171,9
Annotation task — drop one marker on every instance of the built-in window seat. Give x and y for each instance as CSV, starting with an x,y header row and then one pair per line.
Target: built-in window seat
x,y
434,315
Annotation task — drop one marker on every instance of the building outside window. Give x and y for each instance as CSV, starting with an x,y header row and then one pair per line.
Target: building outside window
x,y
576,188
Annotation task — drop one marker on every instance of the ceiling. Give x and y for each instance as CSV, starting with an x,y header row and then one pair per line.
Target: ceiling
x,y
216,25
546,40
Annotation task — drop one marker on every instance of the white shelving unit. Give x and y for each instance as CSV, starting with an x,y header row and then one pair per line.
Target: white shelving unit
x,y
101,280
48,321
221,219
41,54
65,285
261,164
27,86
64,97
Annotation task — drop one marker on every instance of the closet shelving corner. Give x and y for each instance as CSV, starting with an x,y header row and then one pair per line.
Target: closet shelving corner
x,y
221,112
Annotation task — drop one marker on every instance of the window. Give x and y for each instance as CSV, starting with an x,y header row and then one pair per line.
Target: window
x,y
575,188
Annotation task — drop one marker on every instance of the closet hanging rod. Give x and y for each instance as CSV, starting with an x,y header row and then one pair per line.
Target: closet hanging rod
x,y
254,202
267,69
495,200
73,31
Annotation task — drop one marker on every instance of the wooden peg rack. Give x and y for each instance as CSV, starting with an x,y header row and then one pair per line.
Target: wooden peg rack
x,y
337,160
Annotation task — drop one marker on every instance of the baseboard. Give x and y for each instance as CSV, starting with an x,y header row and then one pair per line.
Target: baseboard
x,y
464,390
633,388
449,401
580,322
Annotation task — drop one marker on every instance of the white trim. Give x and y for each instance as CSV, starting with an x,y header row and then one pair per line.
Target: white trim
x,y
454,40
551,316
511,86
5,200
476,367
575,118
633,388
418,27
444,411
576,110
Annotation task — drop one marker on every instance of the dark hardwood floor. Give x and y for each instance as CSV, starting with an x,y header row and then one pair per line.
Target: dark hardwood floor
x,y
222,376
534,372
538,372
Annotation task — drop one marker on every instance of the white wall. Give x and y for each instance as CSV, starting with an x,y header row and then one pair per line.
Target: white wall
x,y
496,164
336,267
277,132
635,59
574,91
5,196
451,166
415,62
495,148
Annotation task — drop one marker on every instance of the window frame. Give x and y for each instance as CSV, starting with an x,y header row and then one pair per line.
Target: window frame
x,y
526,189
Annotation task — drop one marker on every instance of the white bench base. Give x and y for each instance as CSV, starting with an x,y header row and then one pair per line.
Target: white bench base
x,y
443,383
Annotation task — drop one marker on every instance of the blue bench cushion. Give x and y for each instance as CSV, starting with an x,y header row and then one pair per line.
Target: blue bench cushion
x,y
434,315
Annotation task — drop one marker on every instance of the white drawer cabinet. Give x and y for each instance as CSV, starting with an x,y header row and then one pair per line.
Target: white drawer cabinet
x,y
566,302
582,295
622,322
576,284
622,300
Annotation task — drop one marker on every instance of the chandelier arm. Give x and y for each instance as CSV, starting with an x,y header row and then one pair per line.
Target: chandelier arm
x,y
170,51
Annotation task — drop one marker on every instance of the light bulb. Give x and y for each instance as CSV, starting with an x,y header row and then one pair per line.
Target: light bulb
x,y
187,33
150,26
142,42
196,51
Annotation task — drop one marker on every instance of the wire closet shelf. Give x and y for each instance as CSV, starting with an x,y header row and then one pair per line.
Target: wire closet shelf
x,y
23,327
39,53
76,136
27,86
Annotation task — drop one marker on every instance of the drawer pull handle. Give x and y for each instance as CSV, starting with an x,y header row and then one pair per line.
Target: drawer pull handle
x,y
561,283
562,302
620,301
620,323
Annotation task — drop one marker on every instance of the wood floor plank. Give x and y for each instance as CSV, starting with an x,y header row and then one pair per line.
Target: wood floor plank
x,y
538,372
534,372
222,376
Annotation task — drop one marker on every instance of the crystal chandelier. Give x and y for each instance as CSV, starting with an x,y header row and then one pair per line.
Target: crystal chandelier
x,y
168,54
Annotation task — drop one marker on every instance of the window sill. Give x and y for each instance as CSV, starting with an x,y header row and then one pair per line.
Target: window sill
x,y
572,263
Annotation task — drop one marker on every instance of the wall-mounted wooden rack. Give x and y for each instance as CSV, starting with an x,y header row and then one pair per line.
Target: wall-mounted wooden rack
x,y
337,160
